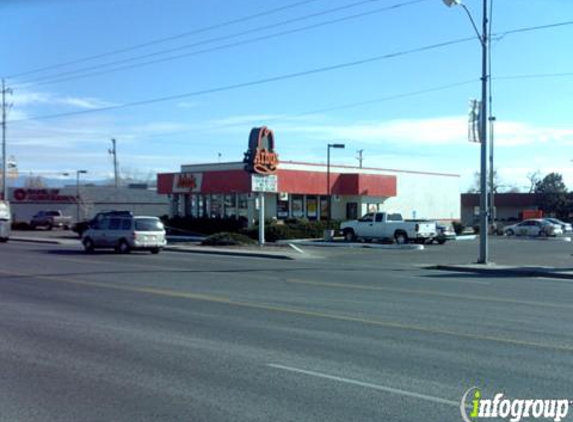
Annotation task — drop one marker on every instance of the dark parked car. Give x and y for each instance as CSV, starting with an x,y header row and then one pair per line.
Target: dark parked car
x,y
82,226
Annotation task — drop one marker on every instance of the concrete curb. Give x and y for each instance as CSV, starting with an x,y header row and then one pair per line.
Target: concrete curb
x,y
227,252
466,237
494,270
541,239
37,240
362,245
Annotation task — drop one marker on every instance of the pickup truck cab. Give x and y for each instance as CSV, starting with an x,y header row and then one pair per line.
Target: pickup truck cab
x,y
51,219
387,225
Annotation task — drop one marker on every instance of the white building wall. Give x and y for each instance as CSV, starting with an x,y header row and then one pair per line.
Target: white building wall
x,y
426,196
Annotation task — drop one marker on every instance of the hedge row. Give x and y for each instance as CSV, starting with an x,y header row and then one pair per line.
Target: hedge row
x,y
289,229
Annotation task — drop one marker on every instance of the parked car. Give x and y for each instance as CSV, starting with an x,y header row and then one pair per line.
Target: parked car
x,y
534,227
5,221
566,227
51,219
81,226
125,233
385,225
445,232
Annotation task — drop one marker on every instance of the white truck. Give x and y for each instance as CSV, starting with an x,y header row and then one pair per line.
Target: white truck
x,y
5,221
387,225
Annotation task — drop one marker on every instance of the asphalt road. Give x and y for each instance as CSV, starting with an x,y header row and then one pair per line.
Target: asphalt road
x,y
356,336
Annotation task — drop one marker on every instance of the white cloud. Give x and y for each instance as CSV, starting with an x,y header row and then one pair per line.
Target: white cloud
x,y
439,131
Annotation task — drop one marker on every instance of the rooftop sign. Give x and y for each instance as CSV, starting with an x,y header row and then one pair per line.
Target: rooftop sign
x,y
261,157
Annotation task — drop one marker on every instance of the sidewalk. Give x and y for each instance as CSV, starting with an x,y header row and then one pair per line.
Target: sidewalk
x,y
508,270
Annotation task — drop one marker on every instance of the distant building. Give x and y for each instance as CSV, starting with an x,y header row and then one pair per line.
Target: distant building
x,y
92,199
508,206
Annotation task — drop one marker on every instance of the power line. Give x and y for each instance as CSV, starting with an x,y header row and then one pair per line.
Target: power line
x,y
166,39
65,76
257,82
256,39
534,76
301,114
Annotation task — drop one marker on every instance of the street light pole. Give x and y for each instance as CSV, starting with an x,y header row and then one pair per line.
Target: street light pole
x,y
328,187
484,211
78,172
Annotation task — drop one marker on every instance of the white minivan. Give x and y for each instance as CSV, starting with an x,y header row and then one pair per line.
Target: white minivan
x,y
125,233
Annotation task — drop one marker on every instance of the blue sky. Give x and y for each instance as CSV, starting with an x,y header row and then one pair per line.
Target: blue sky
x,y
422,131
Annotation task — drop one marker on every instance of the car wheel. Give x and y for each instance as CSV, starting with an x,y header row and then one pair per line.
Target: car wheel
x,y
349,235
510,232
543,233
441,241
155,251
401,238
50,227
88,245
123,247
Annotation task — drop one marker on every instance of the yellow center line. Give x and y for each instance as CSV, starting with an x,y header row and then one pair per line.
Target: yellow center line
x,y
293,311
430,293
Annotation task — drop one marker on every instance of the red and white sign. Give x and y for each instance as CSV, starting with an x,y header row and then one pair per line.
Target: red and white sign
x,y
187,182
41,195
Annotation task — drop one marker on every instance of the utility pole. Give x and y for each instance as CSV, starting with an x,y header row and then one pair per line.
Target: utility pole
x,y
113,151
4,159
359,158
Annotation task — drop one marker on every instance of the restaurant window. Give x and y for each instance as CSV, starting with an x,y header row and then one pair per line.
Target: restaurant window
x,y
311,208
230,208
243,205
297,206
324,208
216,206
282,208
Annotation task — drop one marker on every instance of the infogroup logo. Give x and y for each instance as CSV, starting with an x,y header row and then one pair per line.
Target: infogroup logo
x,y
513,410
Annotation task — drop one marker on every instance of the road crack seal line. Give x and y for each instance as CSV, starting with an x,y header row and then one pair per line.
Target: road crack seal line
x,y
295,311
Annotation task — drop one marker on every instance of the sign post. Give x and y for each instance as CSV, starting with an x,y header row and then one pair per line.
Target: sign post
x,y
261,218
262,162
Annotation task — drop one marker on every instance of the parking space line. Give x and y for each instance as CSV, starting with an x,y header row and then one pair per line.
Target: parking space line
x,y
391,390
294,311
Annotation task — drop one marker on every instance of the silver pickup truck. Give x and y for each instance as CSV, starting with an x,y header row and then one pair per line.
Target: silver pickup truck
x,y
385,226
51,219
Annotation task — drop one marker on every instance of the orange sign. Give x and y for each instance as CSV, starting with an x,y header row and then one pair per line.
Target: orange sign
x,y
261,157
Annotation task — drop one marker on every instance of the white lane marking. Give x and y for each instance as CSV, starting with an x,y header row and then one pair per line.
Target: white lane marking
x,y
368,385
296,248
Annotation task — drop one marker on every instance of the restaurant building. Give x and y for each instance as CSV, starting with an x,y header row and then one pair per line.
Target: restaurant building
x,y
301,190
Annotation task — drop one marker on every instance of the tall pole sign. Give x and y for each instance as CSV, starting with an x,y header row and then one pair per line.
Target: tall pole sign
x,y
262,162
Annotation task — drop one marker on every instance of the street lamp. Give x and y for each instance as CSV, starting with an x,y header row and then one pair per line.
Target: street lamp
x,y
78,172
483,217
328,187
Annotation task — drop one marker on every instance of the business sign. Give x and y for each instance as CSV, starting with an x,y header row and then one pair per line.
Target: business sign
x,y
187,182
41,195
261,157
264,183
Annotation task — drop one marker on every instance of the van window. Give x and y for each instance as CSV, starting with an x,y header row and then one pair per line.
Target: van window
x,y
114,224
126,224
148,225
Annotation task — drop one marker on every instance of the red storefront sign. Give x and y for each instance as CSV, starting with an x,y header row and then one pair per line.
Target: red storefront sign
x,y
41,195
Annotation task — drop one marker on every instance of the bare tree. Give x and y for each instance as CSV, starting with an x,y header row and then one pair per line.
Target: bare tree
x,y
35,182
534,178
475,187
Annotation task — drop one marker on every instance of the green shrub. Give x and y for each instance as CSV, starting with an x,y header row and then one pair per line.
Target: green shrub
x,y
293,229
228,239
